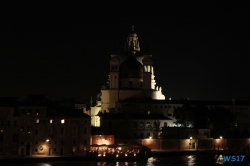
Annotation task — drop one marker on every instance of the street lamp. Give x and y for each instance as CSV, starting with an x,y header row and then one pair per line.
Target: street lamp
x,y
222,146
190,138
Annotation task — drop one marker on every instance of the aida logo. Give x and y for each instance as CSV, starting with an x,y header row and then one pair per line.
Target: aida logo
x,y
231,158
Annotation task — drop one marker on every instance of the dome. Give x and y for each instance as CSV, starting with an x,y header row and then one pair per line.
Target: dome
x,y
132,34
131,68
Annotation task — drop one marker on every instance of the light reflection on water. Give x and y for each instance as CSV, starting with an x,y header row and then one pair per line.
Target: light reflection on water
x,y
184,160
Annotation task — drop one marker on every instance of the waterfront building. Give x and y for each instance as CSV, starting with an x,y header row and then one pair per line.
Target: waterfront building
x,y
41,127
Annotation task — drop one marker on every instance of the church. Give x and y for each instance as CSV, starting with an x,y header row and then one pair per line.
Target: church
x,y
131,76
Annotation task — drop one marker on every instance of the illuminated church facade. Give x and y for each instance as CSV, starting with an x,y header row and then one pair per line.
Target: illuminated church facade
x,y
131,76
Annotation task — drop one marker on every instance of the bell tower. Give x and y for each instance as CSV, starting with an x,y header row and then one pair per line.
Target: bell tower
x,y
114,70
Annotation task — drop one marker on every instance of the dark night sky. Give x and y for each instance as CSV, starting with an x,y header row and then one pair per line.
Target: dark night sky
x,y
200,49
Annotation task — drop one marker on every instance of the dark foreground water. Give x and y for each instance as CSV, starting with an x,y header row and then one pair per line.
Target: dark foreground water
x,y
180,160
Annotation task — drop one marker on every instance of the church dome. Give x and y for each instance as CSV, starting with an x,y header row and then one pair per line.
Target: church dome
x,y
131,68
132,34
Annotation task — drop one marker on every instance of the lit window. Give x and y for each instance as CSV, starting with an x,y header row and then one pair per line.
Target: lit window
x,y
50,121
62,121
29,112
37,120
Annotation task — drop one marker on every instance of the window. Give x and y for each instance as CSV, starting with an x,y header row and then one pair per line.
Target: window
x,y
29,112
112,68
1,136
37,112
62,121
37,120
141,135
28,129
50,121
148,124
62,131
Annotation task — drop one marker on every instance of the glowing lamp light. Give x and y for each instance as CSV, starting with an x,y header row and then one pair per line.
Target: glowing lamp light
x,y
221,137
62,121
47,140
191,137
150,137
117,155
